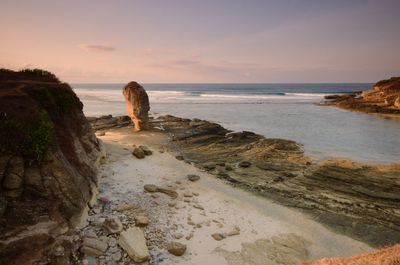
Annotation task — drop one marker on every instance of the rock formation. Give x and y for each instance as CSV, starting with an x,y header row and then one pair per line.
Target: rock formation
x,y
356,199
385,256
383,98
137,104
48,155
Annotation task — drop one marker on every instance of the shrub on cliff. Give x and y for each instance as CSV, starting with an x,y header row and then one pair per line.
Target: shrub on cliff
x,y
387,81
28,74
30,139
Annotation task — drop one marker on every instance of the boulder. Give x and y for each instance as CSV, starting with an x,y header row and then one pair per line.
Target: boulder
x,y
176,248
137,105
134,243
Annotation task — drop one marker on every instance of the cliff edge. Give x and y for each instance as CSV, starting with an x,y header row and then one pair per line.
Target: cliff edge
x,y
48,172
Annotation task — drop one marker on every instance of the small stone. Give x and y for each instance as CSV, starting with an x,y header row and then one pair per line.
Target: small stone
x,y
146,150
93,247
180,158
218,236
193,177
233,233
178,236
141,220
228,167
209,166
150,188
113,225
198,206
178,182
190,236
138,153
155,196
195,193
186,200
244,164
191,223
176,248
198,225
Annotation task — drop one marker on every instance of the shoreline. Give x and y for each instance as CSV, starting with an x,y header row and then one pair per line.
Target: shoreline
x,y
213,207
288,182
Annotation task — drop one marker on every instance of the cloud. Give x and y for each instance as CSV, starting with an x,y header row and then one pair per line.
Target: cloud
x,y
97,47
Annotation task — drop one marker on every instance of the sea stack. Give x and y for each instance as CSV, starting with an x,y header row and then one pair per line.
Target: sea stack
x,y
137,105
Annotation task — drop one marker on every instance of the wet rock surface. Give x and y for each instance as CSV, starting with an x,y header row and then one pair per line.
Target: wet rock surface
x,y
356,199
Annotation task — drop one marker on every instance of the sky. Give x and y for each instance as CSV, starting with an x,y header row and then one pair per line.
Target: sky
x,y
203,41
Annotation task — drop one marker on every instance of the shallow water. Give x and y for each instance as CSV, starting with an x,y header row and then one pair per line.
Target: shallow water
x,y
287,112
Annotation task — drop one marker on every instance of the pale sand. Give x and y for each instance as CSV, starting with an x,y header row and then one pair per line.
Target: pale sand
x,y
297,237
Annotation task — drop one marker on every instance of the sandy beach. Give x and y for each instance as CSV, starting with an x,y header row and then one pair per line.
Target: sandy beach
x,y
257,231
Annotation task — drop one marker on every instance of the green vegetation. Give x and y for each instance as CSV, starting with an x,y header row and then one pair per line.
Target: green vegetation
x,y
29,139
54,100
387,81
34,74
40,73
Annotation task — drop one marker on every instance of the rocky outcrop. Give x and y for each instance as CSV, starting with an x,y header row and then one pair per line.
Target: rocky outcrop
x,y
355,199
385,256
383,98
137,104
48,155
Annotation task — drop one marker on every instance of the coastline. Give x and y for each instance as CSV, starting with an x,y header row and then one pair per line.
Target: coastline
x,y
203,208
292,179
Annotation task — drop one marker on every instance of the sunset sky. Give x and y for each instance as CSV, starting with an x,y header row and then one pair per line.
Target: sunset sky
x,y
203,41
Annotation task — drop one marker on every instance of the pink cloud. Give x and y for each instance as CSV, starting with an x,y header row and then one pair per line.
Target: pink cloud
x,y
97,47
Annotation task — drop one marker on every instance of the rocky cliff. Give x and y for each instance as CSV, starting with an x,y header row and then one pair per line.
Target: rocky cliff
x,y
48,155
383,98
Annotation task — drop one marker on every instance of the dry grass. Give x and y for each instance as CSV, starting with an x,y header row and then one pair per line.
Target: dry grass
x,y
385,256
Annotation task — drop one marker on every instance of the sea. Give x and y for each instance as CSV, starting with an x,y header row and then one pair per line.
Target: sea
x,y
288,111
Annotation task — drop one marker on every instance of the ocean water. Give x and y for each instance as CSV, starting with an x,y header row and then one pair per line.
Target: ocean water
x,y
286,111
